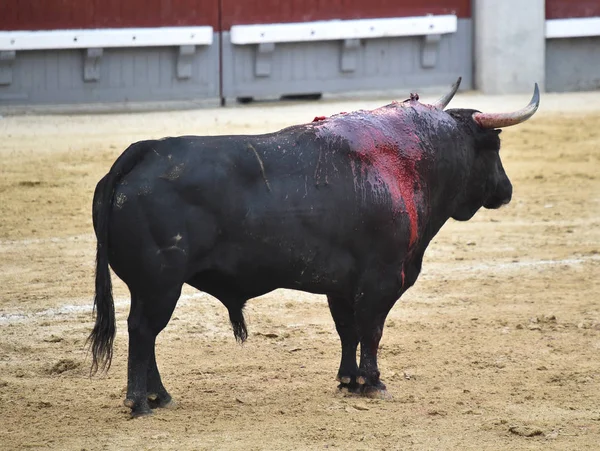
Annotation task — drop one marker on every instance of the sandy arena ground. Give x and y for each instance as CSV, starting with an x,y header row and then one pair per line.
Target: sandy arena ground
x,y
496,347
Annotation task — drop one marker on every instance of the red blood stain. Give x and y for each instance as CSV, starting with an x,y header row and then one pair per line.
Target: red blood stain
x,y
322,118
388,152
397,170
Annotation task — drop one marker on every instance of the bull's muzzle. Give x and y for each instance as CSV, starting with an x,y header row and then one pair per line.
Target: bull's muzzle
x,y
501,196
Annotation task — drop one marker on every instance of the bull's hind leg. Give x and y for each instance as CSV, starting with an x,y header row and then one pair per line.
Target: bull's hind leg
x,y
150,313
158,396
342,310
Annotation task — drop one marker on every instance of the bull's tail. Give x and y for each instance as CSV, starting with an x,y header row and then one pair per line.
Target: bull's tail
x,y
102,336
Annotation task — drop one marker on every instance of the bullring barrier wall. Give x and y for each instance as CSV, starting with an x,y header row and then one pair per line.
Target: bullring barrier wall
x,y
89,51
303,47
573,45
92,51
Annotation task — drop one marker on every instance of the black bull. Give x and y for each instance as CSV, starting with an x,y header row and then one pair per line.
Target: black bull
x,y
343,206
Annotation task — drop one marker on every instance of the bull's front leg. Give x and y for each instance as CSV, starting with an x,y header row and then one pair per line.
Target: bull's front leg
x,y
342,311
371,312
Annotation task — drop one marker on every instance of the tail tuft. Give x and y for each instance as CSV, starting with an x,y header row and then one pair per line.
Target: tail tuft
x,y
239,324
103,335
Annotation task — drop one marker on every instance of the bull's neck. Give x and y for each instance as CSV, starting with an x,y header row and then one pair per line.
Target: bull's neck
x,y
443,180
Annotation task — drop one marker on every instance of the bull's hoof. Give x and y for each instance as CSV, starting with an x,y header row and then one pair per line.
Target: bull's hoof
x,y
348,384
375,392
362,387
160,401
353,389
138,409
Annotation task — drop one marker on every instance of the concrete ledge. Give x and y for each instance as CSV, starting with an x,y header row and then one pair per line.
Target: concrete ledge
x,y
343,29
104,38
573,28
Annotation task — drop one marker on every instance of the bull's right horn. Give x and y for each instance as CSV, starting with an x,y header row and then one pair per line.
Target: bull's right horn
x,y
445,100
499,120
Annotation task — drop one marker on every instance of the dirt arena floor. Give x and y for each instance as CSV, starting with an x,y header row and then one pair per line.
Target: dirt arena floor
x,y
496,347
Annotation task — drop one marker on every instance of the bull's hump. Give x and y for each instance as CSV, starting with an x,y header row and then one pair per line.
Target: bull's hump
x,y
393,108
387,152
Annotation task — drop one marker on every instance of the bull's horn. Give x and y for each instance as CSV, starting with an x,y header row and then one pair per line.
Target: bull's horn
x,y
499,120
445,100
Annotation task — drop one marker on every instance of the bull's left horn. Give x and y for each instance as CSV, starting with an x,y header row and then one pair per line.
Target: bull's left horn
x,y
499,120
445,100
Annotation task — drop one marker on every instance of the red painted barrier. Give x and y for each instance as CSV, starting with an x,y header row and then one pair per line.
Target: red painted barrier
x,y
65,14
565,9
236,12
